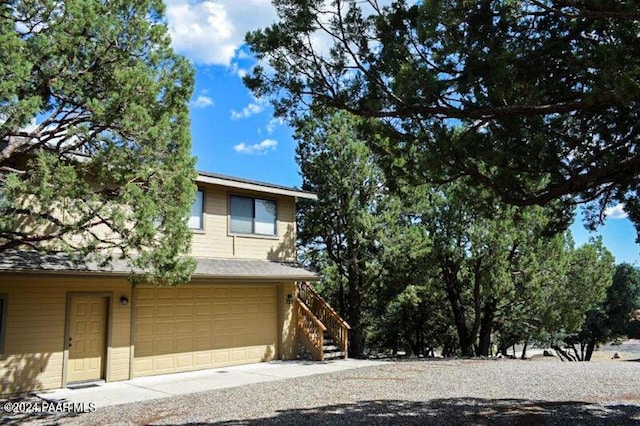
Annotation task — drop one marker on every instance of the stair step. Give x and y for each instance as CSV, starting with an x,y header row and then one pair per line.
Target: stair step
x,y
334,355
330,348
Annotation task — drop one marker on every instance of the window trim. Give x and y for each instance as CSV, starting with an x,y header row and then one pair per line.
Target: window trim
x,y
3,321
201,228
253,234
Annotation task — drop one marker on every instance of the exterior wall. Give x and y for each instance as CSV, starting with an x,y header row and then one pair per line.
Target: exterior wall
x,y
34,346
288,348
34,349
61,211
216,241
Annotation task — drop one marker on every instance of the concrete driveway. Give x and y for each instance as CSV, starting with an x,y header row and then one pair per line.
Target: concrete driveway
x,y
147,388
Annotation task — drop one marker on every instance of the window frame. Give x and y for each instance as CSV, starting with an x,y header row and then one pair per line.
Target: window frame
x,y
201,228
253,221
4,298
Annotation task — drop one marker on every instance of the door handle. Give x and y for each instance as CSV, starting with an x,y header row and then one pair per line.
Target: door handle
x,y
70,342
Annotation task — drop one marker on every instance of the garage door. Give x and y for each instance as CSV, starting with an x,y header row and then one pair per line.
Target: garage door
x,y
198,327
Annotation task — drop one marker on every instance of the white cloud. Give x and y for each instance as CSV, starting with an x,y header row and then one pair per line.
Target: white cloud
x,y
202,101
211,31
256,107
273,123
258,148
238,70
242,54
616,212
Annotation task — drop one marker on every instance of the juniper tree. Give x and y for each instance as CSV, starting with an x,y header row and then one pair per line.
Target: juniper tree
x,y
94,133
535,99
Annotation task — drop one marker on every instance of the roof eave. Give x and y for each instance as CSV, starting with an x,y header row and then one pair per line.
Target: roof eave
x,y
254,186
261,278
194,277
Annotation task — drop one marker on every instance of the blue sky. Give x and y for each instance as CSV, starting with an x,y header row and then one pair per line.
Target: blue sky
x,y
233,133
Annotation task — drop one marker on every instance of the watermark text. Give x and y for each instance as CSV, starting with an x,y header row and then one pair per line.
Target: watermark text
x,y
48,407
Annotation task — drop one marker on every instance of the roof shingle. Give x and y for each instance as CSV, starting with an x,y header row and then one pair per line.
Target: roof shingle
x,y
33,261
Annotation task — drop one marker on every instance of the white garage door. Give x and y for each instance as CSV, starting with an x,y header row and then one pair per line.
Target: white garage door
x,y
196,327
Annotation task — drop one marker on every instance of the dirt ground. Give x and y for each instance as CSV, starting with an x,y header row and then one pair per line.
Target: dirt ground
x,y
405,392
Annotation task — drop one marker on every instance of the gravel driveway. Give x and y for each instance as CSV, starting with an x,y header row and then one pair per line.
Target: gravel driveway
x,y
414,392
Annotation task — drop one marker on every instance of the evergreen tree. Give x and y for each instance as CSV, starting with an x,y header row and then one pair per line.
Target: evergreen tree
x,y
611,318
536,100
94,133
339,230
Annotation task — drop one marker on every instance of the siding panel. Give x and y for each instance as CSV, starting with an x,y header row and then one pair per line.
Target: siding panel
x,y
215,240
35,332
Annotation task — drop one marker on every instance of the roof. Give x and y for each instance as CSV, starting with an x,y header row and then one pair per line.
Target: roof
x,y
252,185
228,269
245,269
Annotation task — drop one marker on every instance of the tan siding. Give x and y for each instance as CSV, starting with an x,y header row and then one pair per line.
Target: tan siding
x,y
215,240
61,212
35,331
288,348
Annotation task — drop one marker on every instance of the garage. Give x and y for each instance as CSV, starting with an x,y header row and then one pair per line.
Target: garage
x,y
195,327
69,322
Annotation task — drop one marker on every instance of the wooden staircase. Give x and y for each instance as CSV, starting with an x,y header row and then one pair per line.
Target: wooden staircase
x,y
319,327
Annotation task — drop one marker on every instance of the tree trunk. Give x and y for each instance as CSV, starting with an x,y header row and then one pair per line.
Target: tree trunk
x,y
341,302
564,355
591,345
524,349
415,348
486,327
503,349
449,347
356,335
465,338
575,351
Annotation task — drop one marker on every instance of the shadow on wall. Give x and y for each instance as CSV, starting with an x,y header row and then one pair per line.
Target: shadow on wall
x,y
454,411
286,249
269,353
20,372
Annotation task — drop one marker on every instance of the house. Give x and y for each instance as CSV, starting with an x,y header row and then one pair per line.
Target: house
x,y
63,321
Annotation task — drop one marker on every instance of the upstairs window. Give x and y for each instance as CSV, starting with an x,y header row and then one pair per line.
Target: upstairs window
x,y
197,209
252,216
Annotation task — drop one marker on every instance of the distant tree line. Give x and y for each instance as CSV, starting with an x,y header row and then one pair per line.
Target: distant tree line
x,y
449,266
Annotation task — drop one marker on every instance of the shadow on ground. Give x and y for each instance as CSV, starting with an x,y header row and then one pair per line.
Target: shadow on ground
x,y
18,410
454,411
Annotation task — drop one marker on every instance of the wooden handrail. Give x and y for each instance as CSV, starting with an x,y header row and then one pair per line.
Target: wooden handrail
x,y
312,329
316,295
335,325
311,315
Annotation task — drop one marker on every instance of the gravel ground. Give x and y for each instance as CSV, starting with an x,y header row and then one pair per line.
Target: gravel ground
x,y
413,392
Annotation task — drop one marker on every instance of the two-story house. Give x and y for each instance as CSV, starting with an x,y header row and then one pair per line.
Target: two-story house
x,y
64,322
